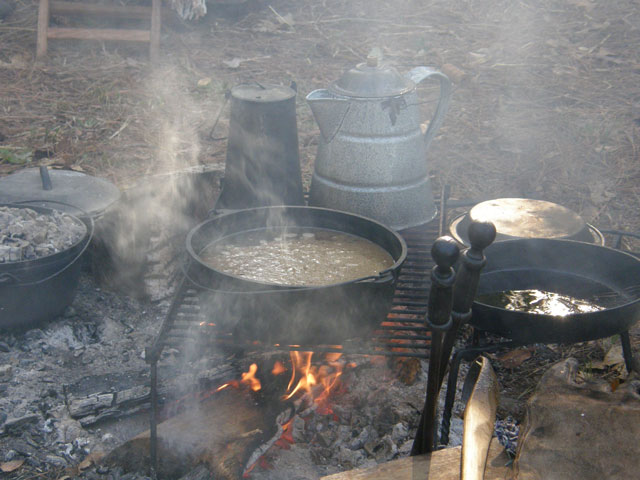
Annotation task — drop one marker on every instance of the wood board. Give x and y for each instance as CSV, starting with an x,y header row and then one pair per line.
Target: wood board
x,y
439,465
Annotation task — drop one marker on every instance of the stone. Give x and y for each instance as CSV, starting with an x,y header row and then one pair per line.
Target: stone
x,y
325,438
399,432
11,455
385,450
367,434
6,373
56,460
576,429
298,429
15,423
350,459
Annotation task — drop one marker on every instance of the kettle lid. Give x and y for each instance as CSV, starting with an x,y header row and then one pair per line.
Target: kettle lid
x,y
371,80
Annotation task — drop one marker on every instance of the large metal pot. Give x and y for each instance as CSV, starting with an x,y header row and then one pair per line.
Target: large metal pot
x,y
35,291
328,314
609,277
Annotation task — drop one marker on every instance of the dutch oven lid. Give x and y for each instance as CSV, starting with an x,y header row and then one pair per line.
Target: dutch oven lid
x,y
71,192
371,80
527,218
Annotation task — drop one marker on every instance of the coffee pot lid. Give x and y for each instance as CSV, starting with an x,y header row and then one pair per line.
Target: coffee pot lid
x,y
66,190
371,80
262,92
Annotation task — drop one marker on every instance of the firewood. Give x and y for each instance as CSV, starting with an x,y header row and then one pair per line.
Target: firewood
x,y
222,432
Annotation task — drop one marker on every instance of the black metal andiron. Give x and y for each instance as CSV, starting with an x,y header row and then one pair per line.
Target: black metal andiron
x,y
450,301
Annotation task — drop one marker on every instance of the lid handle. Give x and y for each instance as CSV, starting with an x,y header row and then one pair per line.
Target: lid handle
x,y
46,179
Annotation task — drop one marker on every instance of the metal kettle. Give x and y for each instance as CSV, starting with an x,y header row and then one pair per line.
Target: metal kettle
x,y
371,157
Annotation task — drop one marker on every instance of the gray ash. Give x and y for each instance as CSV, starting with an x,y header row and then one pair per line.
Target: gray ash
x,y
26,234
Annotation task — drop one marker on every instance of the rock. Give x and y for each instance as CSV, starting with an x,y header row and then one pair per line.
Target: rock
x,y
385,450
367,434
6,373
4,347
350,459
298,429
405,448
11,455
325,438
399,432
56,461
577,429
15,423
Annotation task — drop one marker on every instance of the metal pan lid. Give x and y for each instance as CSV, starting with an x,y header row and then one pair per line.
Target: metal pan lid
x,y
65,190
526,218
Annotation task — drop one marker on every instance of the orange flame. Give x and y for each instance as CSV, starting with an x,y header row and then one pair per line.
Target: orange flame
x,y
309,375
249,378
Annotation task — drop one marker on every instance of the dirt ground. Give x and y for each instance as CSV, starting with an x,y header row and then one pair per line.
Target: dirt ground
x,y
545,102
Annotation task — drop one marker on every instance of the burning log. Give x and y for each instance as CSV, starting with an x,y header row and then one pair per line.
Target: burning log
x,y
222,433
101,401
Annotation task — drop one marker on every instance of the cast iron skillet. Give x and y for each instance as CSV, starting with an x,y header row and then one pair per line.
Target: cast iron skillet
x,y
581,270
328,314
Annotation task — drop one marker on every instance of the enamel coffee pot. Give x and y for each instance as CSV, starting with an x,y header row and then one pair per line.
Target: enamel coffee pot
x,y
371,157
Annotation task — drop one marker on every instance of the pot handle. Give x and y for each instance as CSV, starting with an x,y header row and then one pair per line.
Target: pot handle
x,y
8,279
419,74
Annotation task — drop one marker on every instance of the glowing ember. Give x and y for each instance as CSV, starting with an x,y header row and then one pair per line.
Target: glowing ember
x,y
278,368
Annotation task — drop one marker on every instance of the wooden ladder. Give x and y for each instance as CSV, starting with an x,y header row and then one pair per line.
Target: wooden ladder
x,y
152,36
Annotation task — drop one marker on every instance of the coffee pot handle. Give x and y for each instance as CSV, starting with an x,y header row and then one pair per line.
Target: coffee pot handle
x,y
419,74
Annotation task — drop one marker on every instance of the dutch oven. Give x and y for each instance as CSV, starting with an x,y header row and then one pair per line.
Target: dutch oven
x,y
38,290
526,218
607,277
328,314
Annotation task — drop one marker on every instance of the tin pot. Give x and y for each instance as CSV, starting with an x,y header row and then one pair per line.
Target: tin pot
x,y
371,156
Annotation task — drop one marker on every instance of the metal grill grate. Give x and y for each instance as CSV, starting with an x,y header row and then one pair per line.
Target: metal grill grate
x,y
403,333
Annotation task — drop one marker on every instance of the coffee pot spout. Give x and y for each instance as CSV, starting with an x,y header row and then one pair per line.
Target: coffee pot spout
x,y
329,110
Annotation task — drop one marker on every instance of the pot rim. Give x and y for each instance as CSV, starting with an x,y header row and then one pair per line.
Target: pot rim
x,y
21,265
278,287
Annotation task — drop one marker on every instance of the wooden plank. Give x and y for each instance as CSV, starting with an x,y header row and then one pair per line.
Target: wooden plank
x,y
43,25
112,11
106,34
439,465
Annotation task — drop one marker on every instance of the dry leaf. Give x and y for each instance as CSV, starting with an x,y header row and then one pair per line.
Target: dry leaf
x,y
11,466
86,463
233,63
615,384
614,358
586,4
515,358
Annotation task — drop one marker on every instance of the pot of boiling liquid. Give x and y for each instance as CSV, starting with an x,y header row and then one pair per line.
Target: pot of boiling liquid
x,y
295,275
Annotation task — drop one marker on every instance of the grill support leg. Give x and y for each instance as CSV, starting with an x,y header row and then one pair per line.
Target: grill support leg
x,y
467,354
153,421
627,353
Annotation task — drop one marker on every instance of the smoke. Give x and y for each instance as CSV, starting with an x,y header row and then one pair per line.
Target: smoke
x,y
146,229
